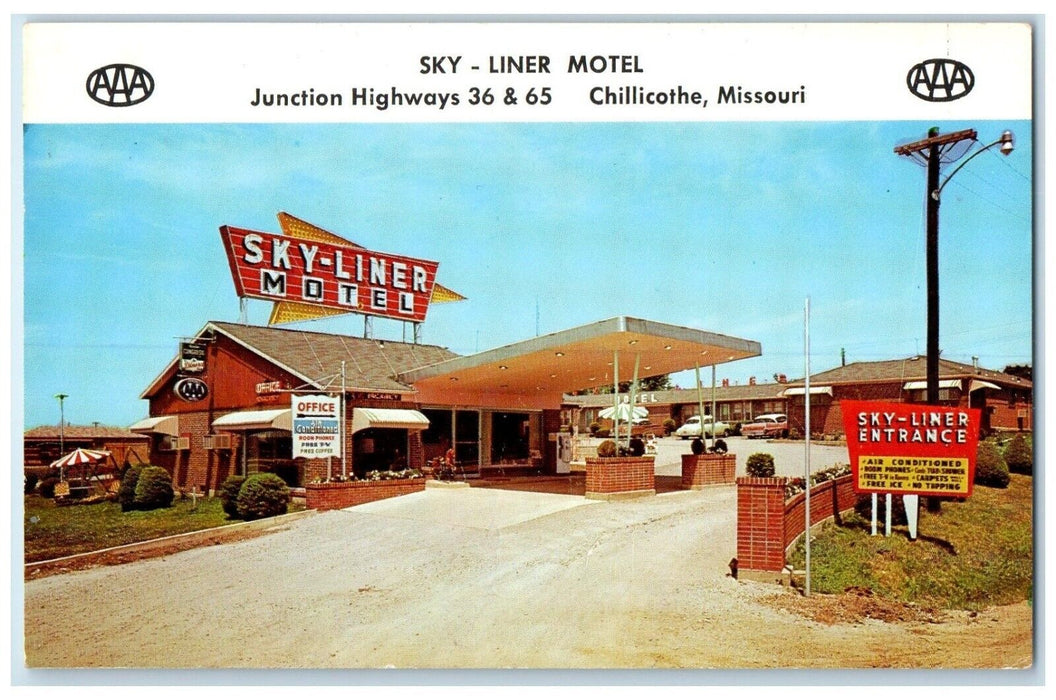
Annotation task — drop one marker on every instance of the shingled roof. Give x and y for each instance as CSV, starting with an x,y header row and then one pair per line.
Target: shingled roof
x,y
909,369
370,364
81,432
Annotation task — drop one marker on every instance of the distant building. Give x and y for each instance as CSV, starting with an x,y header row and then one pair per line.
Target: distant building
x,y
1006,400
46,443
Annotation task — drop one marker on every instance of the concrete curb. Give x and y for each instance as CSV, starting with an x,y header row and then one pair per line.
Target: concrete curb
x,y
187,539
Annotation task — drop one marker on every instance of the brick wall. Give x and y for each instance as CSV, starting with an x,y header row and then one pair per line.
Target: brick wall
x,y
827,500
767,524
354,493
760,523
619,475
703,470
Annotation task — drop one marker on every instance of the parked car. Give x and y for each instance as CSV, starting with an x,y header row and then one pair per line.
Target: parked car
x,y
691,428
767,425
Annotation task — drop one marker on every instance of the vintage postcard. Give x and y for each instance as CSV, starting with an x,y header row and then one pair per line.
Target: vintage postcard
x,y
522,345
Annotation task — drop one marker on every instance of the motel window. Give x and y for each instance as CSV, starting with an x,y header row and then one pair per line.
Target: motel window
x,y
724,412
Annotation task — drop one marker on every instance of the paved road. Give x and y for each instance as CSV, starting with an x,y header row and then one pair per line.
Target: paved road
x,y
789,457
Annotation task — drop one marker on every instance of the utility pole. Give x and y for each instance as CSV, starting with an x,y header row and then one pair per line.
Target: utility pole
x,y
931,151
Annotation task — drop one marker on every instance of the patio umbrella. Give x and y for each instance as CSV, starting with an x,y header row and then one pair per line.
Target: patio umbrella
x,y
79,457
624,412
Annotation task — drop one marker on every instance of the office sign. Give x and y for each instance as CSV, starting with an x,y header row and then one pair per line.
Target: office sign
x,y
316,426
911,449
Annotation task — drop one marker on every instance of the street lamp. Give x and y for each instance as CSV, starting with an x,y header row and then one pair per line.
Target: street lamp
x,y
932,152
62,422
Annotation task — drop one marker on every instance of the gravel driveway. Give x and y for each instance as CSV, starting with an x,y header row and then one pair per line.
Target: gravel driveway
x,y
478,578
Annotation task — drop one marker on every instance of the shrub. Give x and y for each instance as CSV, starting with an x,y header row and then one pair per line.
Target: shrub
x,y
697,446
126,495
229,494
990,467
864,508
153,489
262,495
761,464
30,484
607,449
1019,457
594,427
669,425
636,447
47,487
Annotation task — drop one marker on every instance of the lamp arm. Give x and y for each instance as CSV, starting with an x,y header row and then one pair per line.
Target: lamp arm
x,y
963,163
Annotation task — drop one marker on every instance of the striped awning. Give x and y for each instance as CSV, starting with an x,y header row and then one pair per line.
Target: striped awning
x,y
943,384
800,391
277,418
400,418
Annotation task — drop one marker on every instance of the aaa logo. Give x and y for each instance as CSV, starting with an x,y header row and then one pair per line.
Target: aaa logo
x,y
119,85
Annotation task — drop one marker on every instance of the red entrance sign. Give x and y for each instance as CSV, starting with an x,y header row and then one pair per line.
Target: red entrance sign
x,y
283,268
911,448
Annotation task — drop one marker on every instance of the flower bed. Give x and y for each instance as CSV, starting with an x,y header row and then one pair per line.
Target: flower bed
x,y
345,494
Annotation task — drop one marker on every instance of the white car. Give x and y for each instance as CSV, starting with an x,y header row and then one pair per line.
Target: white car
x,y
691,428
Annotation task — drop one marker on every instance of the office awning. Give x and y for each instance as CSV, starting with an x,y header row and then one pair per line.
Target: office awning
x,y
407,419
978,384
278,418
799,391
943,384
164,425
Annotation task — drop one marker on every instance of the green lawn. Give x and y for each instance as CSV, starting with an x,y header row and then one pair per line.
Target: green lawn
x,y
55,531
972,555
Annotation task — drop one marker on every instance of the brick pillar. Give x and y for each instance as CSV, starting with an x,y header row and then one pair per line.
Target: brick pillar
x,y
761,528
699,471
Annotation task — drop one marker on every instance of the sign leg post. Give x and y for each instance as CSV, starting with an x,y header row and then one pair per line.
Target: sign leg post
x,y
912,504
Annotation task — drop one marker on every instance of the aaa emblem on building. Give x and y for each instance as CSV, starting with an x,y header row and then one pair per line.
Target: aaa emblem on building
x,y
119,85
940,80
309,273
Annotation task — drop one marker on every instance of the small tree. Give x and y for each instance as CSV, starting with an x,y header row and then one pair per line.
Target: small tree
x,y
153,489
1018,456
990,467
263,495
229,494
761,464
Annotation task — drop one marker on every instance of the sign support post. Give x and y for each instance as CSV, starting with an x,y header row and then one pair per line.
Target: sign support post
x,y
806,440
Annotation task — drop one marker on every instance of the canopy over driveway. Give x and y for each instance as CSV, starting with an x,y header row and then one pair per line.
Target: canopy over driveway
x,y
537,372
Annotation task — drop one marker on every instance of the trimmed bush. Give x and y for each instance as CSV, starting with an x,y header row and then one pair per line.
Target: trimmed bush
x,y
47,487
761,464
607,449
990,467
1019,457
153,489
30,484
636,447
126,495
697,446
262,495
594,427
669,425
229,494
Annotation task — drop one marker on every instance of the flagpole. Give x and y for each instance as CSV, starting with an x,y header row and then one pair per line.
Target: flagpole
x,y
806,441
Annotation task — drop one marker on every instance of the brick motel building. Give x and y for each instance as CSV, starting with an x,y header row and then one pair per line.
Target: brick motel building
x,y
1006,400
403,403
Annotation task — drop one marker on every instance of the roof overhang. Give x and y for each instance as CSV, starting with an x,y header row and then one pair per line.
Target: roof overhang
x,y
800,391
977,384
399,418
164,425
923,384
580,358
277,418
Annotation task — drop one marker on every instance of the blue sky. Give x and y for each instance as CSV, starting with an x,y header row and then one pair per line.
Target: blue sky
x,y
725,227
